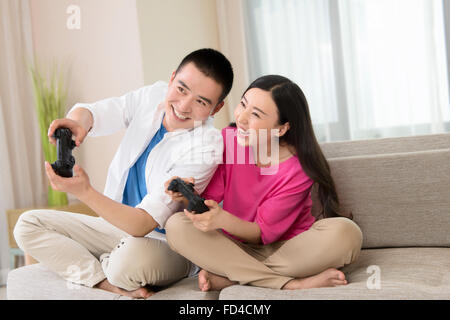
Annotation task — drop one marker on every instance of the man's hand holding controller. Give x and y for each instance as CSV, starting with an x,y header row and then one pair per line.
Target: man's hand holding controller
x,y
79,122
77,130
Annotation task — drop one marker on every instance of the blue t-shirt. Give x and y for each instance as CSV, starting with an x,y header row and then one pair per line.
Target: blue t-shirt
x,y
136,188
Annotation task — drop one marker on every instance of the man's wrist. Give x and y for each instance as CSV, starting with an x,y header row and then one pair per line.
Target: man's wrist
x,y
86,194
83,116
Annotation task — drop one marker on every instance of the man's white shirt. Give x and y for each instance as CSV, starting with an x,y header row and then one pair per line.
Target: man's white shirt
x,y
194,152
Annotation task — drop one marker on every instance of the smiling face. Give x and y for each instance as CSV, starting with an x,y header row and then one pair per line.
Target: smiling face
x,y
191,97
257,112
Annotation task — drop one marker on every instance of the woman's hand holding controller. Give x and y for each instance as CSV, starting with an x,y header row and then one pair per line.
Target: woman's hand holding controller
x,y
78,131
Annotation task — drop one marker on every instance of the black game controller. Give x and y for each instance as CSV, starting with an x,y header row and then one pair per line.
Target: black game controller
x,y
196,203
64,145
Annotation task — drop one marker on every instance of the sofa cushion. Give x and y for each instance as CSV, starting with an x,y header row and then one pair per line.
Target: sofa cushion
x,y
36,282
398,200
403,273
352,148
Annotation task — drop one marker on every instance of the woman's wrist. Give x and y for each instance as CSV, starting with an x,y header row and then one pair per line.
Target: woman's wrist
x,y
225,219
245,230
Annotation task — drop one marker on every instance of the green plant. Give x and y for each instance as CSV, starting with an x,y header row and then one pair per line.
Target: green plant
x,y
50,100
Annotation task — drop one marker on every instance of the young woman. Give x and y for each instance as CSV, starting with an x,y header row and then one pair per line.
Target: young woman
x,y
265,234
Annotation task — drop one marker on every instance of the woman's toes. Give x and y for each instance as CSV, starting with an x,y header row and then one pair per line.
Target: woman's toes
x,y
206,286
337,278
339,282
341,275
203,280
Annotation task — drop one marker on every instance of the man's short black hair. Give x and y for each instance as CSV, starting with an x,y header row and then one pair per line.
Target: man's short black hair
x,y
212,64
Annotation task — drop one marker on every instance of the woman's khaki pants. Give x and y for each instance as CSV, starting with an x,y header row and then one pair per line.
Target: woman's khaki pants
x,y
329,243
72,244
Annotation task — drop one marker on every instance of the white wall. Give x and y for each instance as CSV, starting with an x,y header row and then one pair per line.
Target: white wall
x,y
104,58
169,30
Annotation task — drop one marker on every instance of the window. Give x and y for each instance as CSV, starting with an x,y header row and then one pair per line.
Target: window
x,y
369,68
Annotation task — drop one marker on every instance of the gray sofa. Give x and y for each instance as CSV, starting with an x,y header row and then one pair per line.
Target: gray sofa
x,y
398,190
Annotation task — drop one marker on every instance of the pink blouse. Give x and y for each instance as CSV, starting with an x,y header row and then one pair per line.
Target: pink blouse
x,y
280,203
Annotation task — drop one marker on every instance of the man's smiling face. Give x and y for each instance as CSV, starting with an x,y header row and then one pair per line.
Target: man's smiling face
x,y
191,97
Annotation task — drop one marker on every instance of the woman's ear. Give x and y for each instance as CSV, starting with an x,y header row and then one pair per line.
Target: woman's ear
x,y
283,129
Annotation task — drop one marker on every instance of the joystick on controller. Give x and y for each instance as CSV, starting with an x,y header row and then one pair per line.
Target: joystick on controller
x,y
196,203
65,161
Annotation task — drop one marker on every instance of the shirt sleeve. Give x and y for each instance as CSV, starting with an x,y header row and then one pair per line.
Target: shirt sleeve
x,y
216,187
277,214
113,114
160,205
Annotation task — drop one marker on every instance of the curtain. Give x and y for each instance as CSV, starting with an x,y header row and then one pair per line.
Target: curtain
x,y
369,68
22,181
230,21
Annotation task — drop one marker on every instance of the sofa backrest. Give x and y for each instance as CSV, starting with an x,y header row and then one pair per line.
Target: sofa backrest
x,y
398,189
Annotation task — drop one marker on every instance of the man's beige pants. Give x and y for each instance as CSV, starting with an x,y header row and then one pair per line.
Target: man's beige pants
x,y
329,243
86,250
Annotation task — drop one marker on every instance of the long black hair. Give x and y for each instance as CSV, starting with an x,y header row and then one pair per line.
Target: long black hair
x,y
293,108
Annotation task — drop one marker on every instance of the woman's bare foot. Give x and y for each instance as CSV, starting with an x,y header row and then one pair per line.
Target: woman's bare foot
x,y
329,278
139,293
208,281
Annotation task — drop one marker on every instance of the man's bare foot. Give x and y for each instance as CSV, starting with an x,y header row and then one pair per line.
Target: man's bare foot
x,y
329,278
208,281
139,293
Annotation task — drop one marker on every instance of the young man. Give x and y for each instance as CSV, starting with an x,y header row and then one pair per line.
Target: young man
x,y
169,132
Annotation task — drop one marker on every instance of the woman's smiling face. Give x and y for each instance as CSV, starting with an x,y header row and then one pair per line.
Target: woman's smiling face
x,y
256,116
